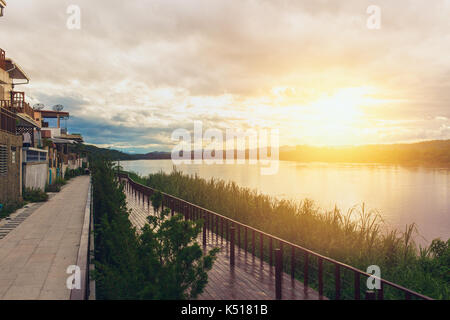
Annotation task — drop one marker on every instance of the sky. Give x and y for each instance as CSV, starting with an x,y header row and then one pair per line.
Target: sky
x,y
137,70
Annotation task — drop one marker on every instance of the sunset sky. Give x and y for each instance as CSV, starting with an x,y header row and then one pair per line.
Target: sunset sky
x,y
137,70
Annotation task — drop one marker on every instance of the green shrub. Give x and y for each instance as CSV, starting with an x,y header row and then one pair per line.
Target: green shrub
x,y
163,262
52,187
34,195
10,207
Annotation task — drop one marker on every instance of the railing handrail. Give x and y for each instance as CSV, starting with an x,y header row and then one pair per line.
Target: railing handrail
x,y
315,254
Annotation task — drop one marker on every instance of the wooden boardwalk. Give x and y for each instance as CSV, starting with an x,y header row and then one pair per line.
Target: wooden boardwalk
x,y
249,279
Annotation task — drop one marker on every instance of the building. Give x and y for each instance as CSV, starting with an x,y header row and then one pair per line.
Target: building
x,y
32,152
59,144
10,141
2,7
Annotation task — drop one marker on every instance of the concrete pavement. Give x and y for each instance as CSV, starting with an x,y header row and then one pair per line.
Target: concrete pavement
x,y
35,255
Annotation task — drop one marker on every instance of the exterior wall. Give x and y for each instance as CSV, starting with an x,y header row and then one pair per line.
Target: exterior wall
x,y
54,132
5,82
11,183
64,168
35,175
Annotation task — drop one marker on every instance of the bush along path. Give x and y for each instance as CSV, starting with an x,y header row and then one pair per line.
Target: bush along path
x,y
164,261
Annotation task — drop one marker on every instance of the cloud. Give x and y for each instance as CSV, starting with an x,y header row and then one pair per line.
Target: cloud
x,y
147,67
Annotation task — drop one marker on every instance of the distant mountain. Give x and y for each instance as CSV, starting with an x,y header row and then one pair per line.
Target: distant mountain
x,y
436,152
119,155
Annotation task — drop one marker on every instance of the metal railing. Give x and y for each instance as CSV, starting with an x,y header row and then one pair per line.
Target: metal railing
x,y
223,226
7,119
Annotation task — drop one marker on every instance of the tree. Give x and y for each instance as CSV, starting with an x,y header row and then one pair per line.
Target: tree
x,y
174,265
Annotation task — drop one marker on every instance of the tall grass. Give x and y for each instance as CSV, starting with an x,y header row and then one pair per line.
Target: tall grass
x,y
356,237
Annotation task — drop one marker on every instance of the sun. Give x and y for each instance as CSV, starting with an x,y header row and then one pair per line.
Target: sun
x,y
334,119
344,106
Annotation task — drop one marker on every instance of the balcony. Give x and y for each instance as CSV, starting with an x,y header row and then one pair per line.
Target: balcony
x,y
7,120
19,104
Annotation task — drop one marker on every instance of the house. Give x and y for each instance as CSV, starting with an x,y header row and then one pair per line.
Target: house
x,y
10,141
2,7
32,153
59,144
24,163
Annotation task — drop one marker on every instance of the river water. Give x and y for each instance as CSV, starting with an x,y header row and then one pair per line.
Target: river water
x,y
402,195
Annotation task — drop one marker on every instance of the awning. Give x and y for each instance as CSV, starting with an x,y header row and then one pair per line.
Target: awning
x,y
16,71
26,121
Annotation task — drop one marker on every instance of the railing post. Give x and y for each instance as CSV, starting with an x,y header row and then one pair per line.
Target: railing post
x,y
227,230
357,285
270,251
253,242
278,273
292,262
320,262
239,237
306,271
381,291
204,229
261,247
217,228
221,229
173,208
337,281
245,242
232,246
370,295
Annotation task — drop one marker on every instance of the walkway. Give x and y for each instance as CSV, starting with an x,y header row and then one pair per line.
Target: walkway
x,y
35,254
249,279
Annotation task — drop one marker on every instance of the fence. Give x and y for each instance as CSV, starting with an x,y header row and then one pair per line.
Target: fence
x,y
260,244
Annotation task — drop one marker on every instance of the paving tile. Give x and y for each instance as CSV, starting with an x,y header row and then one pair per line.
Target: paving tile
x,y
44,242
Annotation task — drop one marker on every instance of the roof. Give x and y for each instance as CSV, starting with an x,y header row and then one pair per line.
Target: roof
x,y
16,71
50,114
76,137
62,141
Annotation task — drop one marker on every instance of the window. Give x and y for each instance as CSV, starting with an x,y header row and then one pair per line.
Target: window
x,y
3,160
